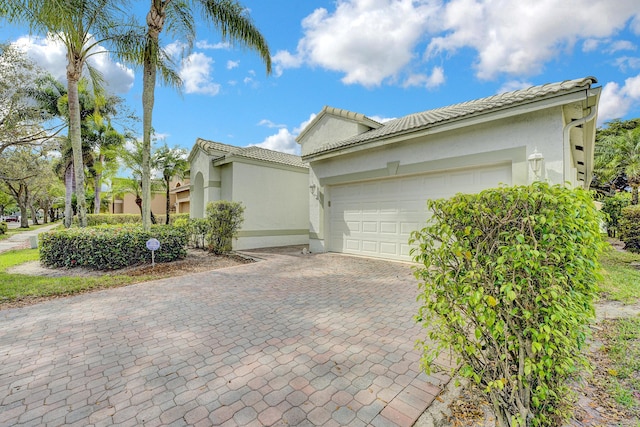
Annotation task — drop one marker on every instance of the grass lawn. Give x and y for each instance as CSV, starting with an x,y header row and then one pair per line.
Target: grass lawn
x,y
15,287
620,281
617,363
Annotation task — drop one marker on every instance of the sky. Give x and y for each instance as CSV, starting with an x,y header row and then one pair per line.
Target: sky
x,y
382,58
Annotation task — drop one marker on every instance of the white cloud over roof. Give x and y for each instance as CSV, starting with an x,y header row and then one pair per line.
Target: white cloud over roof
x,y
392,41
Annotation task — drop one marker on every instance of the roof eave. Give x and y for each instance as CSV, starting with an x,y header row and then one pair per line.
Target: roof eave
x,y
455,123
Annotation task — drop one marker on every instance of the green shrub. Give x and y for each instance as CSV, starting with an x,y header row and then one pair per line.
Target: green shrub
x,y
630,228
3,227
223,219
176,217
197,229
508,284
612,208
109,247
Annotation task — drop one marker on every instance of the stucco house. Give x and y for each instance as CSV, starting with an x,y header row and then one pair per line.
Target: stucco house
x,y
370,181
272,186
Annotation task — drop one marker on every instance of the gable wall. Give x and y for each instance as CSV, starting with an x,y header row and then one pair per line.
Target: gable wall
x,y
330,128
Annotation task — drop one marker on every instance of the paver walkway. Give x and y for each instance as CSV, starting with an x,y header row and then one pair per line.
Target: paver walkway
x,y
21,240
293,340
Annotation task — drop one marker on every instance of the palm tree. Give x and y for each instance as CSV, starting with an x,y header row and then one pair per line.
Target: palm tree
x,y
618,156
80,25
229,17
172,163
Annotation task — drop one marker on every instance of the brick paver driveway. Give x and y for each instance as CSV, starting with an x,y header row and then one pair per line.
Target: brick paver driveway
x,y
292,340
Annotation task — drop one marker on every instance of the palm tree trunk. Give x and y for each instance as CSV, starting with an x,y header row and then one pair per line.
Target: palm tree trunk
x,y
148,88
97,185
634,194
168,202
68,186
73,76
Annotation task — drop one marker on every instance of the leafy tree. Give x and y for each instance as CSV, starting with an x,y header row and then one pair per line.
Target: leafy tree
x,y
81,25
20,168
229,17
6,201
21,121
618,155
171,163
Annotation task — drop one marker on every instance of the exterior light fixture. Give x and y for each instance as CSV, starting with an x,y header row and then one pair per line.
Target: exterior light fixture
x,y
314,191
535,162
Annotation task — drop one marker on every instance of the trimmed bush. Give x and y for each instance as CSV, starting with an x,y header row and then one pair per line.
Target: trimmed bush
x,y
508,284
115,219
223,219
109,247
3,227
630,228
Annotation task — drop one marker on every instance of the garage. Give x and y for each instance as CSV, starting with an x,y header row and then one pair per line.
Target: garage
x,y
369,180
376,218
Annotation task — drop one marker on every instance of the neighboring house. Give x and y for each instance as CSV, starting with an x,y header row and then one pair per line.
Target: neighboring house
x,y
125,203
370,180
272,186
179,196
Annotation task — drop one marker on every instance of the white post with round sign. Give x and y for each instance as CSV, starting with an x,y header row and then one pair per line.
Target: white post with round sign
x,y
153,245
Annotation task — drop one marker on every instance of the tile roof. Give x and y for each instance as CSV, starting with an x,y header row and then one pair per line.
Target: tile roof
x,y
251,152
431,118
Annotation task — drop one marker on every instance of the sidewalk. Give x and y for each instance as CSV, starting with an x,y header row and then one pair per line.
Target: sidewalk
x,y
21,240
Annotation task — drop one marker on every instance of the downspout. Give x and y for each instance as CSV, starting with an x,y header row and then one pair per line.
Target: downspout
x,y
567,143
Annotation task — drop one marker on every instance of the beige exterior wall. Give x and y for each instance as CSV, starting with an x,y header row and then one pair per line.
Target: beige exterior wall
x,y
276,204
127,204
205,183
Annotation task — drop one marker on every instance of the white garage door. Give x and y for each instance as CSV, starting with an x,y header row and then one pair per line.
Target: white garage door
x,y
376,218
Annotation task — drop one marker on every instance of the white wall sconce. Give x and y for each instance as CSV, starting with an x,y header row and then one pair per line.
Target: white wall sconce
x,y
535,162
314,191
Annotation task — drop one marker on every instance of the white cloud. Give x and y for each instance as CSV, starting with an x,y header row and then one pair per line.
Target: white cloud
x,y
435,79
50,54
616,100
204,44
621,45
232,64
590,45
284,140
512,85
270,124
627,62
177,49
380,119
284,59
195,73
367,40
519,37
371,42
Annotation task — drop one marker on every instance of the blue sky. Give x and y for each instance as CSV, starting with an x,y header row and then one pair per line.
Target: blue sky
x,y
382,58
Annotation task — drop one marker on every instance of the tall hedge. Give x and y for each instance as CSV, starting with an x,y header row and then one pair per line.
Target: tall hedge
x,y
114,219
110,247
630,228
507,283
